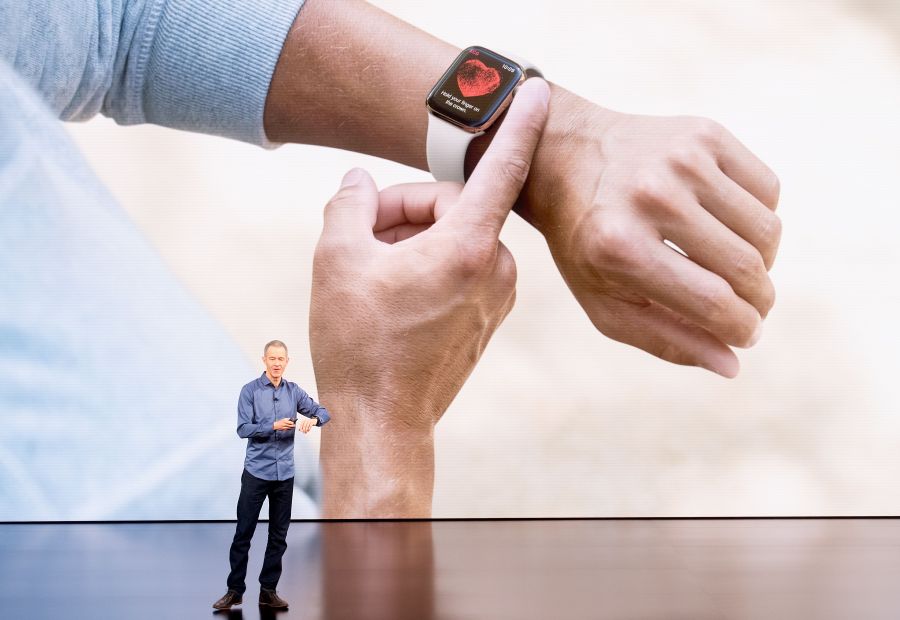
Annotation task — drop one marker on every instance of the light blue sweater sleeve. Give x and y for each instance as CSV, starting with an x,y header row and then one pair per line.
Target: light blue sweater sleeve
x,y
199,65
103,415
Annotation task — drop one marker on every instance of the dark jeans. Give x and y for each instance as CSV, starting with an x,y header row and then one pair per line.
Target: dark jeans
x,y
253,492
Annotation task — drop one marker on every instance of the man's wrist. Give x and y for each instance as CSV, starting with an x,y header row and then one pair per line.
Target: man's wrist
x,y
571,118
373,464
301,107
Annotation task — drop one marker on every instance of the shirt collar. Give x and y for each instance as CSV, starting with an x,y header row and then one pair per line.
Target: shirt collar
x,y
264,381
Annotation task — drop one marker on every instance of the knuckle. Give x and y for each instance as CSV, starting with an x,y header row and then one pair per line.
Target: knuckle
x,y
749,267
768,298
513,170
715,304
773,193
744,333
708,133
688,159
474,259
615,243
507,273
648,189
769,231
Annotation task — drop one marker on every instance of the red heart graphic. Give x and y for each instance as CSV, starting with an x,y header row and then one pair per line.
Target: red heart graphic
x,y
476,79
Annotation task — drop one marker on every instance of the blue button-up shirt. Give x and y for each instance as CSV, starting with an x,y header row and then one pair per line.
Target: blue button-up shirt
x,y
270,453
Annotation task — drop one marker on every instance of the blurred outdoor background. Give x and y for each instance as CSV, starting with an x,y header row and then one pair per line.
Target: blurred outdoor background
x,y
558,420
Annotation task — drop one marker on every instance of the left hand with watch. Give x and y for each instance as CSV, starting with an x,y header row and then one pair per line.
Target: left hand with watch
x,y
661,183
607,190
304,424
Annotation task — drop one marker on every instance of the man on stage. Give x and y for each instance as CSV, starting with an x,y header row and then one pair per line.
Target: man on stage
x,y
267,418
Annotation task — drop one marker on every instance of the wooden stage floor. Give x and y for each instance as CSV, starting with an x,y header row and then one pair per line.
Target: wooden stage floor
x,y
690,569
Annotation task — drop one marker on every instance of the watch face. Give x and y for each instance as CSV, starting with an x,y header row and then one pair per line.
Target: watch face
x,y
474,87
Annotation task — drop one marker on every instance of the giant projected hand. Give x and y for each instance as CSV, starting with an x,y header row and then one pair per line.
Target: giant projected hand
x,y
409,284
608,189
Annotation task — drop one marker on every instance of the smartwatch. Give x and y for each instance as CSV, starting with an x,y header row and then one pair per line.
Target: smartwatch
x,y
468,98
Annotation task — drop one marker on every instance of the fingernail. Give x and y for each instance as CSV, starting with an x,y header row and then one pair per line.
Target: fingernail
x,y
544,96
756,335
351,178
718,371
724,367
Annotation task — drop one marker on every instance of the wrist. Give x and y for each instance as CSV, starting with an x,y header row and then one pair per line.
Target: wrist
x,y
312,74
572,121
374,464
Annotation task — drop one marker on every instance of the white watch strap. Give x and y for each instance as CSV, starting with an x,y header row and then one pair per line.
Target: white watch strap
x,y
446,147
446,144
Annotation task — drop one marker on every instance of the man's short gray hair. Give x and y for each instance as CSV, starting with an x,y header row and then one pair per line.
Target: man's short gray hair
x,y
274,343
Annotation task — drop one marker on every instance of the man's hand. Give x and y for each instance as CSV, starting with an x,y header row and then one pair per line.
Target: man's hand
x,y
608,189
284,424
409,285
305,424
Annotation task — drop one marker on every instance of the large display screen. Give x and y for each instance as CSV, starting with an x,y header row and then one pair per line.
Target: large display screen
x,y
142,270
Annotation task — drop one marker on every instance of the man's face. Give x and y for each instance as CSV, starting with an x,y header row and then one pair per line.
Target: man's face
x,y
276,360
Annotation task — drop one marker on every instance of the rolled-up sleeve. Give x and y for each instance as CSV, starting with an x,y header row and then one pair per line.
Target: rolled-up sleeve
x,y
199,65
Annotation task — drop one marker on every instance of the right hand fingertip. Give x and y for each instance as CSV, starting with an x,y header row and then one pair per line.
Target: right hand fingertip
x,y
352,177
541,88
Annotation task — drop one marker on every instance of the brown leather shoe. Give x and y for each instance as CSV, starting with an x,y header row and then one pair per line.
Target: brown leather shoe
x,y
270,598
231,598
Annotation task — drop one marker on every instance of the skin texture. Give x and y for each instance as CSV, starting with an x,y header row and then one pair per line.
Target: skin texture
x,y
605,189
409,285
396,328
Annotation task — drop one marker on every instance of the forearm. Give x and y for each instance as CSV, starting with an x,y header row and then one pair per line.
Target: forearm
x,y
372,466
353,77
